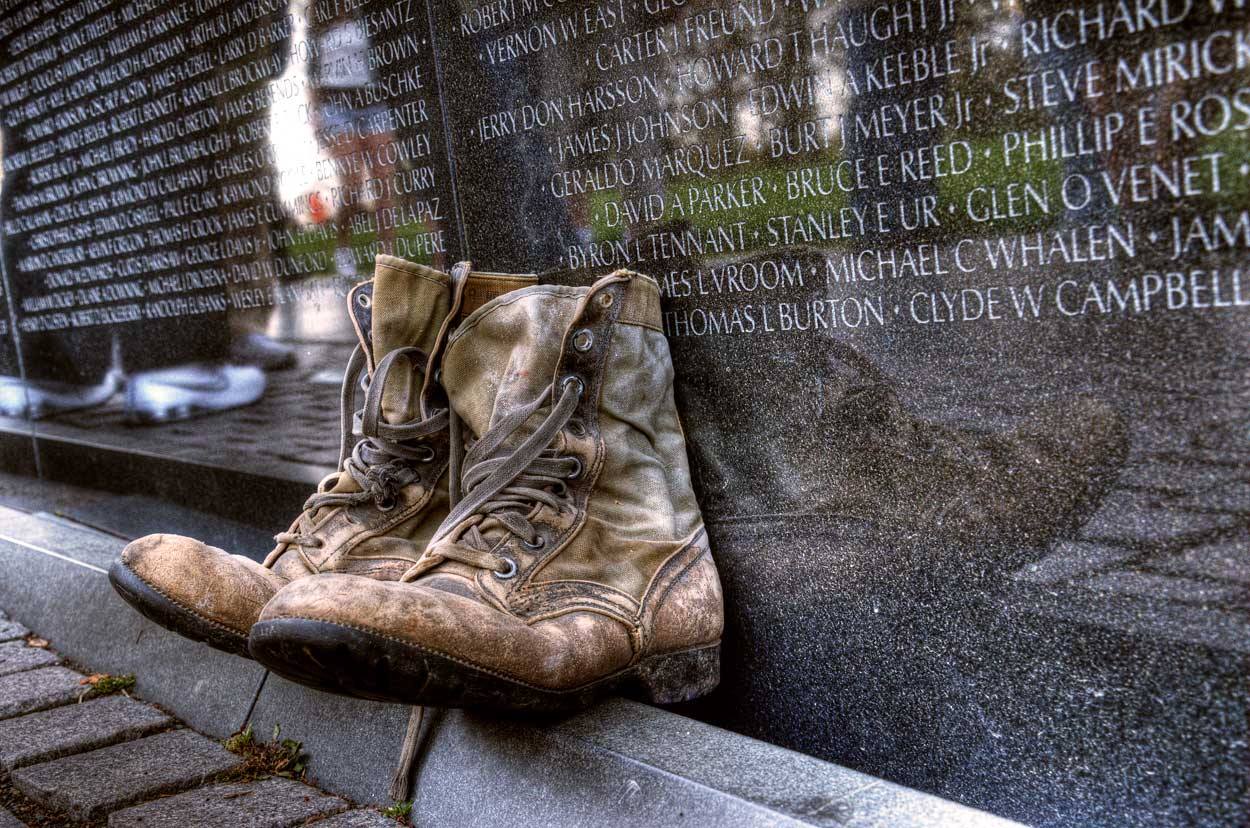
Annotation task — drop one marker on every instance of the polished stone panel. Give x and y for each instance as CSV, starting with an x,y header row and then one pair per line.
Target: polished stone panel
x,y
189,192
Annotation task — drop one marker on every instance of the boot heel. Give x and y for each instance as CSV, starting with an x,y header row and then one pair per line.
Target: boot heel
x,y
678,677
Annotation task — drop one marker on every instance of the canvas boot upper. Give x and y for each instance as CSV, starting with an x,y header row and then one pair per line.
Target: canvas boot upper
x,y
371,517
575,556
374,516
379,508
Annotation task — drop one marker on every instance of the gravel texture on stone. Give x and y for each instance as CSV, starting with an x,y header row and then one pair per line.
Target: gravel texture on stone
x,y
16,657
36,690
361,818
7,820
11,630
75,728
89,785
273,803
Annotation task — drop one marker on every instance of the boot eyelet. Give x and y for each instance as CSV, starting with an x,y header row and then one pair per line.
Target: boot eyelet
x,y
507,573
583,339
571,380
606,300
363,300
386,504
536,545
577,472
427,454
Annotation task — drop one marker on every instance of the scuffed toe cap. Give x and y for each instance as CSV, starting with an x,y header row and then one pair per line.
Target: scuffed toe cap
x,y
557,653
204,580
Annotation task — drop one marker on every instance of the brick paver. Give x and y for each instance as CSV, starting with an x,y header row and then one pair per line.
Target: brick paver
x,y
11,630
16,657
76,728
90,785
361,818
273,803
105,757
36,690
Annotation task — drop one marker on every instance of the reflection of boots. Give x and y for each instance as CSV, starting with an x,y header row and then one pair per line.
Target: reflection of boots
x,y
170,394
374,515
576,561
1032,483
262,351
35,400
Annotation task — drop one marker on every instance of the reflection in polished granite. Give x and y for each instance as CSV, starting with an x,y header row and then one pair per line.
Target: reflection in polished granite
x,y
290,434
954,295
978,509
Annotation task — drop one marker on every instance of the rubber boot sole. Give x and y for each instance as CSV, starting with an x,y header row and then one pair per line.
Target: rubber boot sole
x,y
356,662
173,616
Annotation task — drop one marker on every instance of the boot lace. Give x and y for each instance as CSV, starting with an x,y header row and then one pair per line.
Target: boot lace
x,y
500,489
381,462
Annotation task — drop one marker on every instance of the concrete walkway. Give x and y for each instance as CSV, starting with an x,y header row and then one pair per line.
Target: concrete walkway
x,y
71,755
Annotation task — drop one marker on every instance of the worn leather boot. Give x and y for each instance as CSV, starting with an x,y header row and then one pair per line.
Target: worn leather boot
x,y
373,516
574,563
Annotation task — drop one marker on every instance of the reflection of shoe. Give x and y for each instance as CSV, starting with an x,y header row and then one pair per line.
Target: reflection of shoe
x,y
261,351
179,393
34,400
374,516
1032,483
345,262
575,562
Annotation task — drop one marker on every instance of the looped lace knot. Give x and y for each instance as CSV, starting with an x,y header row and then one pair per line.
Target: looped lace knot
x,y
501,490
381,463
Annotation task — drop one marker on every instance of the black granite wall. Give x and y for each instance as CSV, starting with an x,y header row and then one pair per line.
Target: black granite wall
x,y
954,288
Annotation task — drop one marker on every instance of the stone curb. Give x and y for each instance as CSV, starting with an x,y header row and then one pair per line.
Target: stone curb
x,y
620,763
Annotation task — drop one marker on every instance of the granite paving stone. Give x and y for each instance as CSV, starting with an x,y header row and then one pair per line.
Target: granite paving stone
x,y
273,803
11,630
7,820
361,818
36,690
16,657
76,728
88,785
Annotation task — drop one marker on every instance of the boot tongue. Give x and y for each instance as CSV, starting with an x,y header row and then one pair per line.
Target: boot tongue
x,y
407,305
501,358
410,302
506,354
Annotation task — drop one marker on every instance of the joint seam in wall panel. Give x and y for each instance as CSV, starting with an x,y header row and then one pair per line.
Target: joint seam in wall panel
x,y
452,171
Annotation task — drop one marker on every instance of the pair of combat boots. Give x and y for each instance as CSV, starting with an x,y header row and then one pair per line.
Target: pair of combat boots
x,y
559,557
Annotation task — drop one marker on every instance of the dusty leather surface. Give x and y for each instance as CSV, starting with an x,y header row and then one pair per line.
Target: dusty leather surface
x,y
625,572
567,652
406,305
204,580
